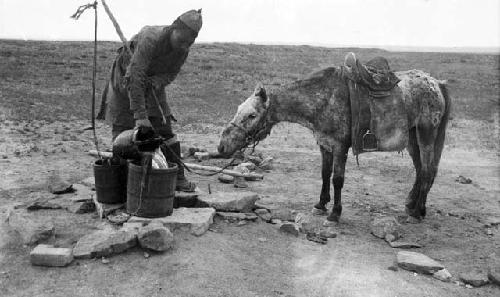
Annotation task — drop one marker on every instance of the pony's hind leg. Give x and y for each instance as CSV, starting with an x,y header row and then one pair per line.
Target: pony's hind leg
x,y
414,152
421,148
339,160
326,173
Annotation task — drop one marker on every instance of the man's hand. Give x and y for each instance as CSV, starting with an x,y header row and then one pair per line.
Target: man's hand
x,y
143,123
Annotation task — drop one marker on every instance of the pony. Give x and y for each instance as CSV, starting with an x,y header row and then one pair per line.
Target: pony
x,y
321,103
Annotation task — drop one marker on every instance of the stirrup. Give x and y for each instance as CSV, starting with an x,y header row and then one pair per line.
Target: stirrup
x,y
369,142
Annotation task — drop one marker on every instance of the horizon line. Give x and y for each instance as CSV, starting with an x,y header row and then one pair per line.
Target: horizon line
x,y
411,48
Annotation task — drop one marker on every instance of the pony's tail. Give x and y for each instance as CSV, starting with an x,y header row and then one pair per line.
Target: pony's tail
x,y
441,133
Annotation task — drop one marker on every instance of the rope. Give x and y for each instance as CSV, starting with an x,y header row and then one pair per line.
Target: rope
x,y
181,163
117,27
81,9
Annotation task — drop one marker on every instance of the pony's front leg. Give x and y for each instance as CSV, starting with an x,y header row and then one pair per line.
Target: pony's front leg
x,y
326,173
339,160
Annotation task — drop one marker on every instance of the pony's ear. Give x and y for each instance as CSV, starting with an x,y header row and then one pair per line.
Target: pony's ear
x,y
260,91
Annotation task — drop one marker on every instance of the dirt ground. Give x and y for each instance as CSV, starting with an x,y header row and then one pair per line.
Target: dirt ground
x,y
45,105
257,259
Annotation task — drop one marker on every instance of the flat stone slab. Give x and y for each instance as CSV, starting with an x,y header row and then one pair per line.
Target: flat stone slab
x,y
48,255
82,193
57,185
418,262
195,220
240,201
31,229
103,243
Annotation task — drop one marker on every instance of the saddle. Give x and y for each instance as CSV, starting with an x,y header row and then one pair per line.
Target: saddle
x,y
378,115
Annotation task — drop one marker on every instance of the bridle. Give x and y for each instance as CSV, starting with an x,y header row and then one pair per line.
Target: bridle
x,y
252,136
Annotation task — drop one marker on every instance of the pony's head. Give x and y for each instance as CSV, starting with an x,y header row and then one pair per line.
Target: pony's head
x,y
249,125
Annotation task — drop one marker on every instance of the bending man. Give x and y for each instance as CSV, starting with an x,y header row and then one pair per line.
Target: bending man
x,y
158,53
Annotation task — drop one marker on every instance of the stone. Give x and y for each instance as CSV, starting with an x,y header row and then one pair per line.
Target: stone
x,y
494,275
89,182
239,182
155,237
283,214
399,244
57,185
463,180
442,275
267,163
82,193
202,156
316,237
241,169
393,268
48,255
67,202
417,262
118,217
225,178
132,225
195,220
386,228
186,199
237,216
103,243
104,209
248,165
474,279
42,204
31,229
241,201
304,222
254,159
264,214
328,233
290,228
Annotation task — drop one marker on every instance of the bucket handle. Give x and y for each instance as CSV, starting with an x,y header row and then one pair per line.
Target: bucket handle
x,y
146,170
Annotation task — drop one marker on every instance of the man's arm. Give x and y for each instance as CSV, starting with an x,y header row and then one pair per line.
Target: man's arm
x,y
136,73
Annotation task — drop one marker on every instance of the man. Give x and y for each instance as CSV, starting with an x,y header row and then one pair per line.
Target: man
x,y
158,53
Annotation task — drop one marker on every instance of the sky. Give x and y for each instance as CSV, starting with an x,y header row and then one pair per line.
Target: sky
x,y
379,23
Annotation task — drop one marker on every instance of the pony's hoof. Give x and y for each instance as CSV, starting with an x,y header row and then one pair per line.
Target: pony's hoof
x,y
319,212
413,220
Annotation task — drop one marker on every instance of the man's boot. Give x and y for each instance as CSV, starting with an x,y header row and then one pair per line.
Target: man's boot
x,y
172,154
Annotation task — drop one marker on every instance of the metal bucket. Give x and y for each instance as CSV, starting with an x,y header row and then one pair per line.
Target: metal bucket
x,y
157,197
110,181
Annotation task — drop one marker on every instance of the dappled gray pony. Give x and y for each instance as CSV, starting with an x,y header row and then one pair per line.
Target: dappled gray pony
x,y
321,103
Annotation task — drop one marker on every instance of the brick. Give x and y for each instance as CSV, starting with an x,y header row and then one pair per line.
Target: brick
x,y
47,255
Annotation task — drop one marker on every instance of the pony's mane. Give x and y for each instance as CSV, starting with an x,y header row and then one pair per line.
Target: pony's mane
x,y
315,77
